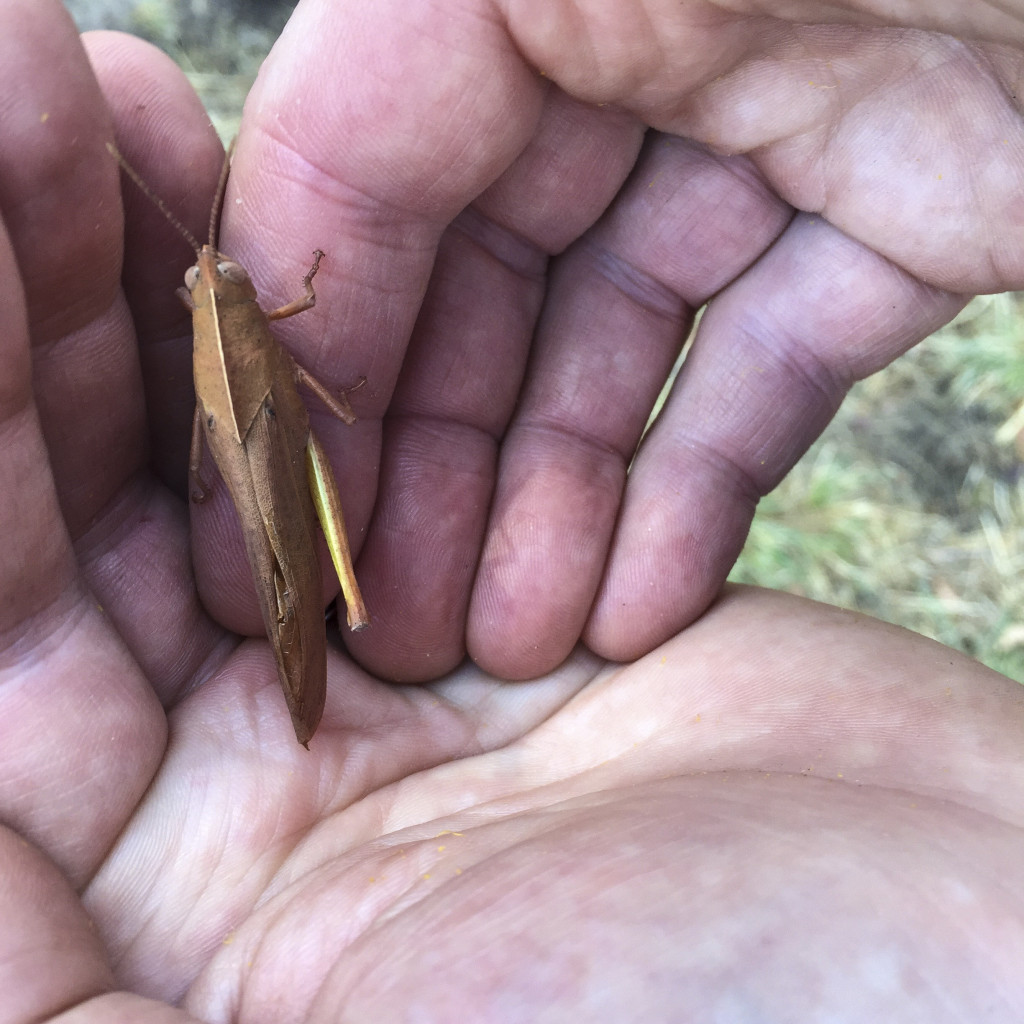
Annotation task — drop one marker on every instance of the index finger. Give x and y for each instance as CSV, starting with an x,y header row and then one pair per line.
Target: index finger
x,y
337,150
80,730
370,127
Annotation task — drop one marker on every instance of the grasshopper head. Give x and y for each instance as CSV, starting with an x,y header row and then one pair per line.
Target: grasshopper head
x,y
220,276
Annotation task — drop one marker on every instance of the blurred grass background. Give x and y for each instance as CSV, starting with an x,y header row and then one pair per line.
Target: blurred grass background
x,y
911,505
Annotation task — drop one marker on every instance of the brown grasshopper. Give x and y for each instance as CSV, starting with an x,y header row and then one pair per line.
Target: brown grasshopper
x,y
278,475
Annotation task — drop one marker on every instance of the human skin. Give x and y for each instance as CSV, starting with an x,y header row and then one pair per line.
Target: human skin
x,y
782,812
492,337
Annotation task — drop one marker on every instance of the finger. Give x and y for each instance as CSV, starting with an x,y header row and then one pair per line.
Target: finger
x,y
460,383
129,539
80,731
617,311
39,911
815,135
52,961
165,134
922,169
59,199
773,358
85,366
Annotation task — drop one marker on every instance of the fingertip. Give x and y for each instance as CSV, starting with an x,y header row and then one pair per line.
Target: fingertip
x,y
668,563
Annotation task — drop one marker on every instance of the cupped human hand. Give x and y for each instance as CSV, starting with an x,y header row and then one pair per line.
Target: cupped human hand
x,y
523,204
784,810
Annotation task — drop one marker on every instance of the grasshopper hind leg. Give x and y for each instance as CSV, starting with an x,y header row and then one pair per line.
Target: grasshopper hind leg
x,y
324,489
201,491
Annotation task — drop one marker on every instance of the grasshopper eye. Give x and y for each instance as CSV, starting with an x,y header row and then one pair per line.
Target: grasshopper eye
x,y
191,278
234,272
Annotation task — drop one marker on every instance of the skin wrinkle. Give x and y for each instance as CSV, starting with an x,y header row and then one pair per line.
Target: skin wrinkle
x,y
50,179
444,383
29,494
125,513
561,399
42,630
671,261
556,437
636,284
726,470
532,877
407,127
556,411
955,19
516,252
106,365
602,147
824,390
297,167
17,408
820,377
443,424
92,307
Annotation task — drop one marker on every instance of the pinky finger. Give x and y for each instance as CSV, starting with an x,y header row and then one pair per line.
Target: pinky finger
x,y
774,357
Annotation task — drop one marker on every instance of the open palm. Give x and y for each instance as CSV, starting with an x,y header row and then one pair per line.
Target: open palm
x,y
781,812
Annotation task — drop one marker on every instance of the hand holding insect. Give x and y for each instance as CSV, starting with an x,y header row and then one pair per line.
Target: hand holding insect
x,y
541,228
168,853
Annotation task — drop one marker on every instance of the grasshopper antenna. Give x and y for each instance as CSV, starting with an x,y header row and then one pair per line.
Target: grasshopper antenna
x,y
218,197
155,199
